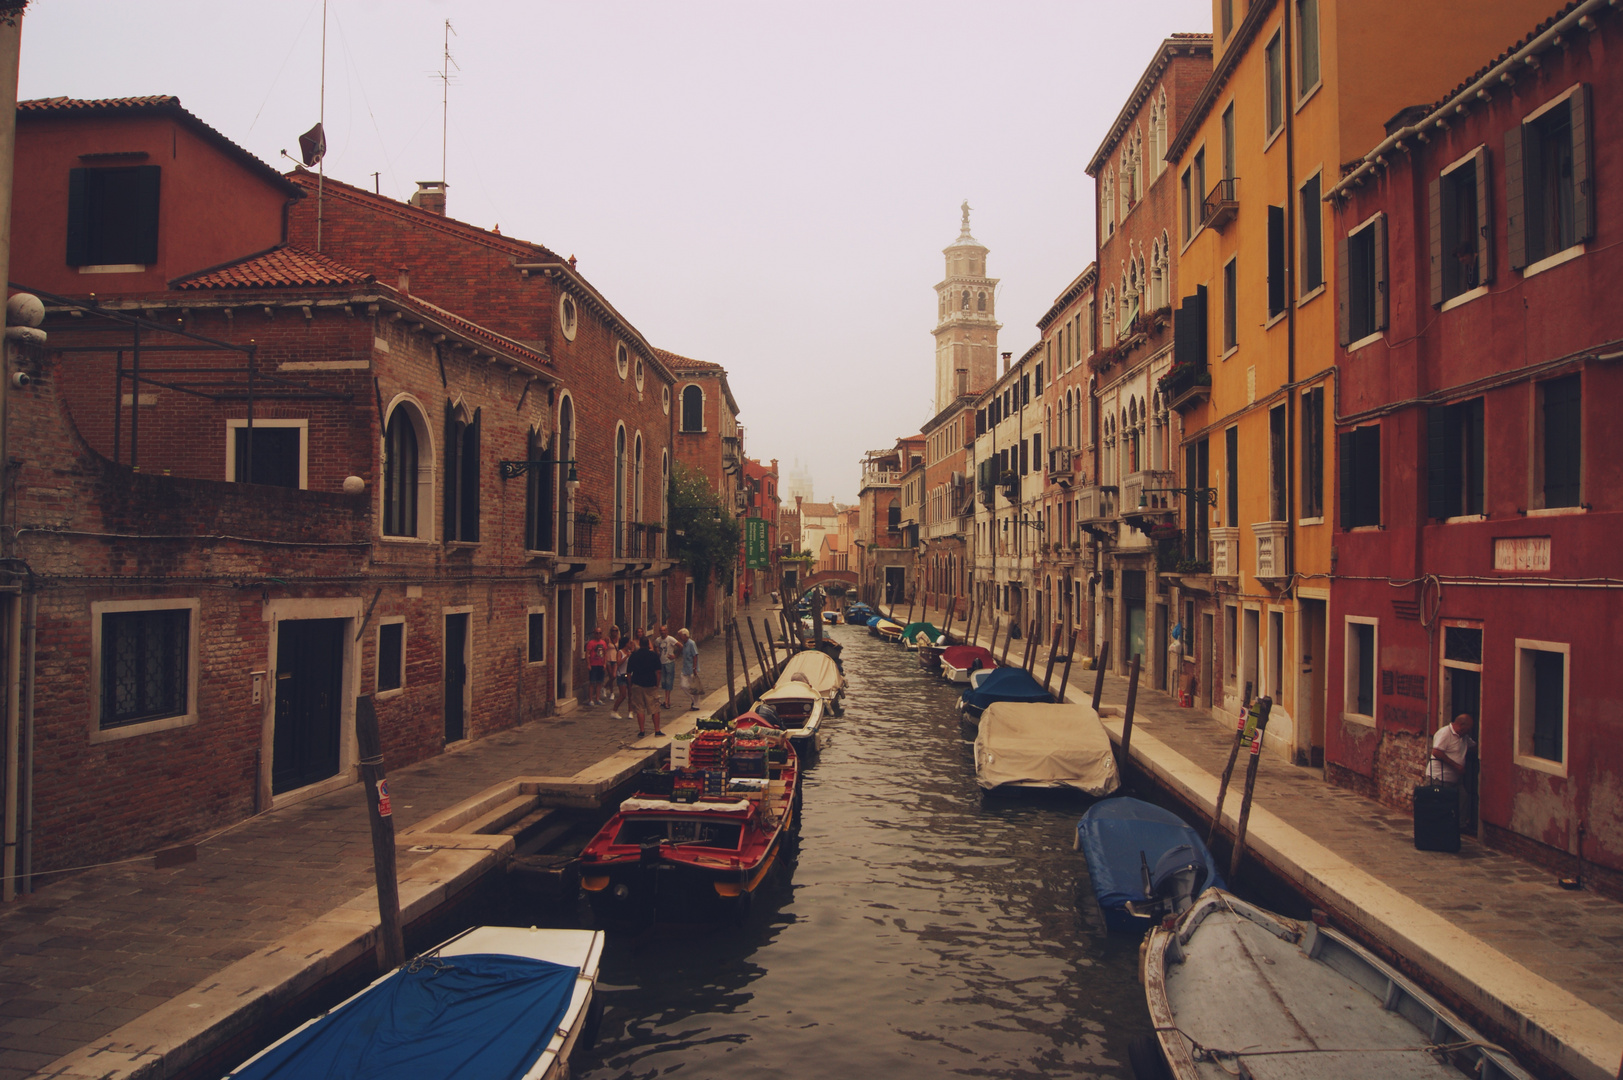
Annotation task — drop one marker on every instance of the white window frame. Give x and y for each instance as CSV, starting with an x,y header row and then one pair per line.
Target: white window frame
x,y
1523,706
377,658
234,426
1349,670
427,471
682,410
100,608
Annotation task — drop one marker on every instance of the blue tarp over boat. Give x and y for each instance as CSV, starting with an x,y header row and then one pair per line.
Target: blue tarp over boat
x,y
875,620
1113,833
1006,684
480,1016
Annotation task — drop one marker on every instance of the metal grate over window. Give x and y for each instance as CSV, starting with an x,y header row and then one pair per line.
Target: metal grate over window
x,y
1463,644
144,657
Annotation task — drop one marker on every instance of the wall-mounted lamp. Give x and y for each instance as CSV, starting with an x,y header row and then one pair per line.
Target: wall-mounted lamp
x,y
511,469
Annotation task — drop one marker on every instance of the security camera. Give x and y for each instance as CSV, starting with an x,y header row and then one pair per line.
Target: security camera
x,y
20,379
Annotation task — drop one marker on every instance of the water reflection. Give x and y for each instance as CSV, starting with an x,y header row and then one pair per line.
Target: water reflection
x,y
919,933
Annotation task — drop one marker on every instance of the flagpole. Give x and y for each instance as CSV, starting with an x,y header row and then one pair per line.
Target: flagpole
x,y
321,164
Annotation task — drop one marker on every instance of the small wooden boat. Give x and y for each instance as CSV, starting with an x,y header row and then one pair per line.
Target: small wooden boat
x,y
1031,745
809,686
706,847
1001,684
957,661
912,631
858,614
1235,990
831,618
494,1001
1144,863
889,631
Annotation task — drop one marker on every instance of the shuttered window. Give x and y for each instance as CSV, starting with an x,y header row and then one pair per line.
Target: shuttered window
x,y
1278,503
1549,201
1189,331
1359,456
113,216
1231,474
1361,281
1454,436
1561,417
538,495
1312,225
1276,260
1231,304
1459,206
461,476
1313,453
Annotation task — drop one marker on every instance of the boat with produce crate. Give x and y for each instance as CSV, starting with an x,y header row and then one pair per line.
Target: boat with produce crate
x,y
701,845
809,687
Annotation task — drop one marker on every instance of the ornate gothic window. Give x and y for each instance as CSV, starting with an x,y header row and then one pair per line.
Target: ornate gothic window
x,y
1107,200
965,303
980,301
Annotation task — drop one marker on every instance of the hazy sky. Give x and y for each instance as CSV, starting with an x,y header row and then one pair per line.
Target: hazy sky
x,y
764,185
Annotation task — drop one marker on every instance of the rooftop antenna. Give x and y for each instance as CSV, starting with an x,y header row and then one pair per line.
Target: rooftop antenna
x,y
445,92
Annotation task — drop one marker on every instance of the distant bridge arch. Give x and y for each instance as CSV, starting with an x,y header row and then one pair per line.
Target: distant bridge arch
x,y
822,577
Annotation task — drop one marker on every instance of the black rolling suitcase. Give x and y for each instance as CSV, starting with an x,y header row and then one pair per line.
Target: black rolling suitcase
x,y
1436,817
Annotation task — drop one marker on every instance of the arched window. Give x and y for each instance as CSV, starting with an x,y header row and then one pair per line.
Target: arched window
x,y
1160,123
664,497
619,490
461,476
692,408
564,442
540,484
636,489
402,472
964,304
1107,200
980,301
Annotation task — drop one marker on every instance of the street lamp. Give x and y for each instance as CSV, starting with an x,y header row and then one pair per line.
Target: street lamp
x,y
1206,495
510,469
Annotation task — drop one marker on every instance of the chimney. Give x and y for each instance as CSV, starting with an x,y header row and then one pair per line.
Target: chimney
x,y
571,262
430,196
1006,362
405,280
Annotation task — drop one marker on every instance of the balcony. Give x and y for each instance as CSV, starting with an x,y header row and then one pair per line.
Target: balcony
x,y
1096,510
1186,386
1222,204
1270,539
1060,465
1225,552
1142,505
881,477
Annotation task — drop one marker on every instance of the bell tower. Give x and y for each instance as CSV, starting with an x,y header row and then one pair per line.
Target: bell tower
x,y
966,324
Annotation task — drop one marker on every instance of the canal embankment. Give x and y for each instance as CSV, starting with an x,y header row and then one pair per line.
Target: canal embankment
x,y
1492,936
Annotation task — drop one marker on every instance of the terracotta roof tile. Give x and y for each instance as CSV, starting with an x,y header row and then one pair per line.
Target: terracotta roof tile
x,y
277,268
686,363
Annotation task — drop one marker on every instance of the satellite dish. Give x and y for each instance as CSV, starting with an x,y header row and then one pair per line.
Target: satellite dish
x,y
313,145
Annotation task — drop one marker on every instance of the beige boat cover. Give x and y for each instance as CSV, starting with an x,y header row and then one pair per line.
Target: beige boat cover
x,y
1035,744
809,668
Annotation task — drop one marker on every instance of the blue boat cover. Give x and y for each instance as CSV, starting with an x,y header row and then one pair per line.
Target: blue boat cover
x,y
875,621
1007,684
483,1015
1112,834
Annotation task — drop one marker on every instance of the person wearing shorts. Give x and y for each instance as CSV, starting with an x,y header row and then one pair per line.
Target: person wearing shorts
x,y
690,668
667,647
642,673
597,656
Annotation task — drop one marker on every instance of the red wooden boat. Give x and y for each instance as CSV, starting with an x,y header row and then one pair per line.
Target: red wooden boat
x,y
705,848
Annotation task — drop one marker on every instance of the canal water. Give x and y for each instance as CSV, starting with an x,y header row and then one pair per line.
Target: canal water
x,y
920,932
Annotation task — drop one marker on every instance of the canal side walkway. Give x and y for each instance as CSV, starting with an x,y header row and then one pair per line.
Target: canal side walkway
x,y
125,970
1495,932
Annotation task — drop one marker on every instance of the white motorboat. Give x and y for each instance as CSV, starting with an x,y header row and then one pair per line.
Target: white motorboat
x,y
809,686
1035,744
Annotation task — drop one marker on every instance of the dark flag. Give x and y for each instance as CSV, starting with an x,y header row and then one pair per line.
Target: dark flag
x,y
313,145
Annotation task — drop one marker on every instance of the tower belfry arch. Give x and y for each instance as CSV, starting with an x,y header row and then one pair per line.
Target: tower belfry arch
x,y
966,320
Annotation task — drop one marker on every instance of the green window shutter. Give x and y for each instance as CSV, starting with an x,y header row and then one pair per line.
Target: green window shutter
x,y
1345,459
1563,440
78,219
144,235
1515,199
1381,306
1368,474
1434,208
1583,201
470,478
1484,218
1343,322
452,474
1442,462
1471,435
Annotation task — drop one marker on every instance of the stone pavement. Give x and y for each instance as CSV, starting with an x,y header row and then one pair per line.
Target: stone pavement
x,y
1573,940
91,951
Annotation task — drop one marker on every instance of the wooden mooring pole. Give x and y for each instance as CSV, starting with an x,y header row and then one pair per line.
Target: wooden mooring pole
x,y
1265,705
1228,770
1099,673
727,647
1127,719
381,815
1065,678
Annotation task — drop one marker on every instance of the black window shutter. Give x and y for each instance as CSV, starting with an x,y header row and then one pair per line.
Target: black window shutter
x,y
1515,199
1037,451
470,479
532,495
453,472
1442,462
1343,323
145,233
1583,202
1434,207
1346,459
78,219
1381,307
1484,219
1563,440
1200,324
1276,260
1368,474
1471,434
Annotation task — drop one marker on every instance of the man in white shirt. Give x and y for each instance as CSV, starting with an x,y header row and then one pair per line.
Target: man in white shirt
x,y
1448,750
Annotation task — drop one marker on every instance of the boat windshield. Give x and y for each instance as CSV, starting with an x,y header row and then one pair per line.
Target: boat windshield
x,y
696,831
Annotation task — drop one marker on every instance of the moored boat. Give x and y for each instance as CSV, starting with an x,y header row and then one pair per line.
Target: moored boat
x,y
957,661
912,631
1000,684
1031,745
503,1002
1144,862
858,614
888,631
707,846
809,686
1235,990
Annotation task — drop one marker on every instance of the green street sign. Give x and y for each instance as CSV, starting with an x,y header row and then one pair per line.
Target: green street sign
x,y
755,553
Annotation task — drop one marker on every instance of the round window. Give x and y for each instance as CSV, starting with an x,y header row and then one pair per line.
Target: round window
x,y
567,316
665,400
620,360
639,373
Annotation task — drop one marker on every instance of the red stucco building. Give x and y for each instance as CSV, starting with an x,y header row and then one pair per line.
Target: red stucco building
x,y
1475,558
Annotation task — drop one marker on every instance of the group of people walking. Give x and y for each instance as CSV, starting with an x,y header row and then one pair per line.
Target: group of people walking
x,y
642,669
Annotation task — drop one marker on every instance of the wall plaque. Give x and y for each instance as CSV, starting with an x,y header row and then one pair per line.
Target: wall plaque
x,y
1521,553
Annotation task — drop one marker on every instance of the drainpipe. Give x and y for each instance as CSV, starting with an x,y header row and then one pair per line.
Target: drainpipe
x,y
10,43
1290,307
